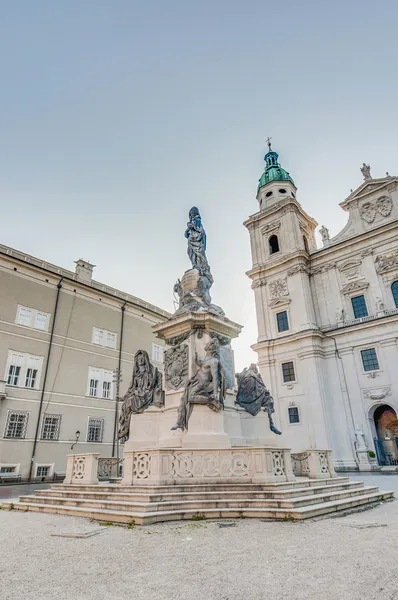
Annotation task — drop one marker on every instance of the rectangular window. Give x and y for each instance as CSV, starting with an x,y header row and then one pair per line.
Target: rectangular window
x,y
282,321
359,307
288,372
104,338
106,389
41,321
14,369
24,316
4,470
30,317
294,415
43,471
51,427
157,353
24,370
95,430
369,359
100,383
16,424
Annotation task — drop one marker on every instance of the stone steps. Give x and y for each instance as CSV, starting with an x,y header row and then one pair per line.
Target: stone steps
x,y
140,518
97,493
199,504
208,487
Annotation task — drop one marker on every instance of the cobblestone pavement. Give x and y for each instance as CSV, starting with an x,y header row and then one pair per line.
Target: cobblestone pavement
x,y
353,557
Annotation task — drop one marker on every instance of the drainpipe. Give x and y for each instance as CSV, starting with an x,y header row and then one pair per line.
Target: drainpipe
x,y
115,427
59,286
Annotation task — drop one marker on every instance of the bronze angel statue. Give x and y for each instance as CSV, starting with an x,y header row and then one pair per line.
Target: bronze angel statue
x,y
207,386
145,390
253,395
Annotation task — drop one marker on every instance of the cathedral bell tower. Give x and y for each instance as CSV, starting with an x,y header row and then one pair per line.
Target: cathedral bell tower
x,y
282,240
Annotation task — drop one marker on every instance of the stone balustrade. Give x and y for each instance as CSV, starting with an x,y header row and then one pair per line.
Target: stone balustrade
x,y
107,468
315,464
82,469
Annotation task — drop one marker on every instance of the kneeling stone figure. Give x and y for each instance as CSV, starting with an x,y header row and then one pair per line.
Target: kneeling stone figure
x,y
253,395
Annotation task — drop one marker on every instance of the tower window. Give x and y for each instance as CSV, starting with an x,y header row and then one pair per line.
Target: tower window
x,y
305,243
359,307
394,289
282,321
268,194
273,244
282,191
294,416
288,372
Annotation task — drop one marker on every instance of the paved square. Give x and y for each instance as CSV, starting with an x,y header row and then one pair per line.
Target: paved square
x,y
350,558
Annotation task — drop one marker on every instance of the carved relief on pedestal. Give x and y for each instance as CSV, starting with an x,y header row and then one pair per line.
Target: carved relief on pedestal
x,y
176,367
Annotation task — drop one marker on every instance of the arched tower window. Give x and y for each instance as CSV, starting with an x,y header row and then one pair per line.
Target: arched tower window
x,y
305,243
394,289
273,244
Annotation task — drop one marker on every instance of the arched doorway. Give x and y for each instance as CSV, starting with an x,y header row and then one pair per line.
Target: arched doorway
x,y
386,442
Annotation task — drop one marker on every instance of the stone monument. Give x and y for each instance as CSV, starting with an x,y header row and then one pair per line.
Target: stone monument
x,y
203,432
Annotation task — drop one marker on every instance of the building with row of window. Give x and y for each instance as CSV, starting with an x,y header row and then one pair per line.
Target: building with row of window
x,y
328,317
63,338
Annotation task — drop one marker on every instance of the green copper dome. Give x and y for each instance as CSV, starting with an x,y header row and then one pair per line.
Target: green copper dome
x,y
273,171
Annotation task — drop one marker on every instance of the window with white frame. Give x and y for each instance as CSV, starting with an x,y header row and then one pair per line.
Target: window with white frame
x,y
7,469
100,383
51,426
294,416
369,359
95,430
102,337
288,373
157,353
43,470
17,422
23,370
31,317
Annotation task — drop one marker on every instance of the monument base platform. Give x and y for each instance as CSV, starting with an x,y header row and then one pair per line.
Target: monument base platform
x,y
145,505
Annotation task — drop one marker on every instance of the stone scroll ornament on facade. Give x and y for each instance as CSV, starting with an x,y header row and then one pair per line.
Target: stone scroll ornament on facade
x,y
253,395
145,390
207,386
382,205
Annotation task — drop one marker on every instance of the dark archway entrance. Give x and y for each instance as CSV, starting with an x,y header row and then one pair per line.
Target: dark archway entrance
x,y
386,443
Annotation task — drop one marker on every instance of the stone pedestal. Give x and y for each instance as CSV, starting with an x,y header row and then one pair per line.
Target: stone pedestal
x,y
186,337
82,469
364,463
170,466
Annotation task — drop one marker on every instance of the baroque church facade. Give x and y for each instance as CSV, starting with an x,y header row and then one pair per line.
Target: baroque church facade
x,y
328,318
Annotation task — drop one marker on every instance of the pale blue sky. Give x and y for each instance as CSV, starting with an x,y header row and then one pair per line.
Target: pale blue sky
x,y
117,116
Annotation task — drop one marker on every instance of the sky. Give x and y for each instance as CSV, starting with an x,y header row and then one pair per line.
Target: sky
x,y
117,116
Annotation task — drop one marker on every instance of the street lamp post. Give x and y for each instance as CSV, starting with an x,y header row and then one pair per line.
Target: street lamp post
x,y
117,378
